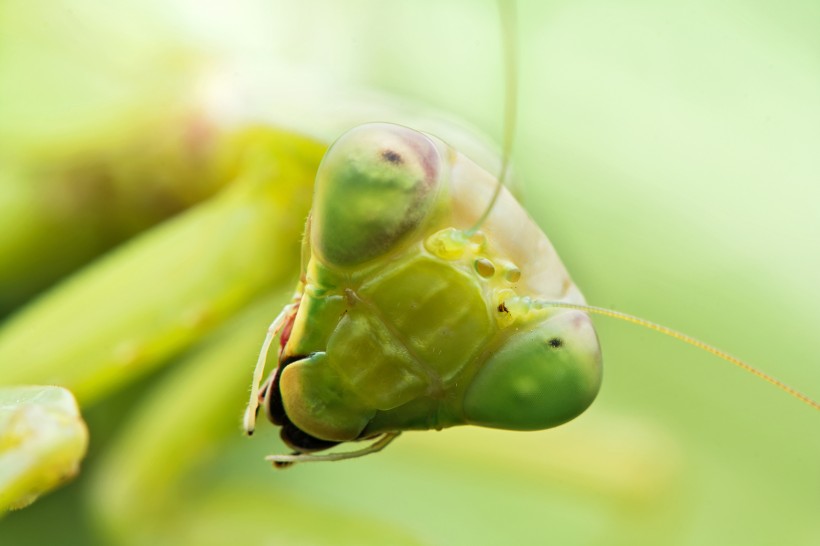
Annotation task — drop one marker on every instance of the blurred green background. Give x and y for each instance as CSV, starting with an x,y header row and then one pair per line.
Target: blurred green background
x,y
670,151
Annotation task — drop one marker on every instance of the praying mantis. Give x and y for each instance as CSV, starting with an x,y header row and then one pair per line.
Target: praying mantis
x,y
613,174
399,321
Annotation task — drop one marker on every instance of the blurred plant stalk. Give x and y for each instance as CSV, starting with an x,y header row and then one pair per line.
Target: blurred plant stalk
x,y
64,210
134,309
153,296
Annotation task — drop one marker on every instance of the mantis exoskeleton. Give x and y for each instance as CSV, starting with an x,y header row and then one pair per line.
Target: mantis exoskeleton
x,y
428,299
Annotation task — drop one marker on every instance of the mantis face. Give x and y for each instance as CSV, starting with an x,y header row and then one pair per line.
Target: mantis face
x,y
407,318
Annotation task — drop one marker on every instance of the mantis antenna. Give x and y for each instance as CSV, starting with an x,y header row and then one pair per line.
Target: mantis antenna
x,y
686,339
508,15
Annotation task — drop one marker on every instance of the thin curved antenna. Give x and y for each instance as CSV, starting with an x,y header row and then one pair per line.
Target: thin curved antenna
x,y
687,339
508,15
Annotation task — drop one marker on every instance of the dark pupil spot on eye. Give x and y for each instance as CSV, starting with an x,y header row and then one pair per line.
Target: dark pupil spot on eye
x,y
502,308
556,343
392,157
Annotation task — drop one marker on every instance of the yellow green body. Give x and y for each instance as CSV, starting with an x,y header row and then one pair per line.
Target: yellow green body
x,y
405,321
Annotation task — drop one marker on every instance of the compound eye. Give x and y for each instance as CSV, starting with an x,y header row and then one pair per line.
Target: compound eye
x,y
540,378
375,185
